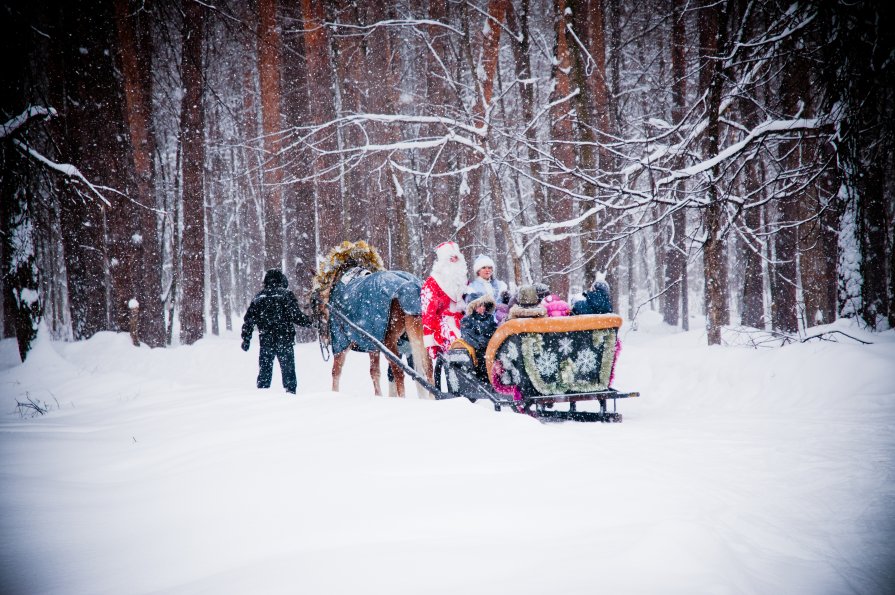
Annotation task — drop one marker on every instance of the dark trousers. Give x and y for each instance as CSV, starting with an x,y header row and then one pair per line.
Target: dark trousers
x,y
286,355
388,369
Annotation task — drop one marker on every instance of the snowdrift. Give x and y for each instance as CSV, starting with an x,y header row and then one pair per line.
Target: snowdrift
x,y
738,471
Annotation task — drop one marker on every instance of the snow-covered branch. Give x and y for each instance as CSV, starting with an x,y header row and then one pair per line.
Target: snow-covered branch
x,y
762,130
65,169
37,112
22,120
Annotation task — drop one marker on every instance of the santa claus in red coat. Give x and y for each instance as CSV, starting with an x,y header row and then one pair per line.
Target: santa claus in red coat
x,y
442,299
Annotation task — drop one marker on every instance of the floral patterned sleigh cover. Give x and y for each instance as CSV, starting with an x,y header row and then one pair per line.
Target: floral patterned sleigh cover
x,y
554,356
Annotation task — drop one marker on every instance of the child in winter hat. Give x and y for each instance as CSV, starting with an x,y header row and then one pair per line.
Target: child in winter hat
x,y
555,306
598,300
528,304
478,326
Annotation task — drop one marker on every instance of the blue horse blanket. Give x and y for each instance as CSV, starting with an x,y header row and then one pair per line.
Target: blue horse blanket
x,y
365,298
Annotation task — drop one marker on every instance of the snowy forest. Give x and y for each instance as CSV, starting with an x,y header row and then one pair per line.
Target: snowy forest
x,y
732,159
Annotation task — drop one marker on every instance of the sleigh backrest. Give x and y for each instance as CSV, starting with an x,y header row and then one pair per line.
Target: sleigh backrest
x,y
550,356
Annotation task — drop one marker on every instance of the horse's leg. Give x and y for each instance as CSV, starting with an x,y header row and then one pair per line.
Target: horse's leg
x,y
338,362
393,332
413,325
374,372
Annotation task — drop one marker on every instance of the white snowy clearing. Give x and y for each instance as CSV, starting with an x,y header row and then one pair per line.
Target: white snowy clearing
x,y
738,471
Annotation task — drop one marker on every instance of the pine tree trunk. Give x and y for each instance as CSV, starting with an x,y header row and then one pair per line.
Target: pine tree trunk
x,y
134,43
784,308
253,232
712,25
557,258
538,201
112,165
269,51
483,73
606,258
673,309
91,134
753,276
384,225
817,246
351,84
23,309
594,109
320,99
7,200
752,310
441,192
192,139
300,240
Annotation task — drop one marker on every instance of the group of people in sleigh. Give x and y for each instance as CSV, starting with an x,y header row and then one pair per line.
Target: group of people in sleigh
x,y
469,312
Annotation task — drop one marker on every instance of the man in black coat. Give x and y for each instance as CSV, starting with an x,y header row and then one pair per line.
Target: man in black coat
x,y
274,310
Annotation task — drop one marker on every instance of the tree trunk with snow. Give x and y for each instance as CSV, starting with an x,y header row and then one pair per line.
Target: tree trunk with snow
x,y
712,26
21,299
674,302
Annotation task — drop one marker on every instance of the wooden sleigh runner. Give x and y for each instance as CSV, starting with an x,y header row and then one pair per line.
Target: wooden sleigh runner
x,y
543,367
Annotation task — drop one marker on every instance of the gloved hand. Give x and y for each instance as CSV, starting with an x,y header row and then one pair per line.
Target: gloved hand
x,y
245,345
433,351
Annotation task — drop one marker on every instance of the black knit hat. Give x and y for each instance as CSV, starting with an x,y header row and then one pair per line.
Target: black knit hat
x,y
275,278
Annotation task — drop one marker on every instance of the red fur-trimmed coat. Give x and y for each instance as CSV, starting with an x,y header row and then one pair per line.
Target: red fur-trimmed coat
x,y
441,316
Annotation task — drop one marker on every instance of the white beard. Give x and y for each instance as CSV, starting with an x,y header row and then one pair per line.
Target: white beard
x,y
451,277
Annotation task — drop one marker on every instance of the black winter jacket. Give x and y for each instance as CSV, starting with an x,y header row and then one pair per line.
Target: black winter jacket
x,y
274,310
477,329
596,301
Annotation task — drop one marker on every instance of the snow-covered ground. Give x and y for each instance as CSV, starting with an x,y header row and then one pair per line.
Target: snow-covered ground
x,y
738,471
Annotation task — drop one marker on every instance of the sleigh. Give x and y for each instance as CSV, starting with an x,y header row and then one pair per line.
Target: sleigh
x,y
544,367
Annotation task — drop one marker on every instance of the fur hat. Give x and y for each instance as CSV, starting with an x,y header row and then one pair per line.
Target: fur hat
x,y
481,261
275,278
528,296
474,300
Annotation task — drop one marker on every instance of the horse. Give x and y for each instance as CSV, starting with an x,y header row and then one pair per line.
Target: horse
x,y
385,304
